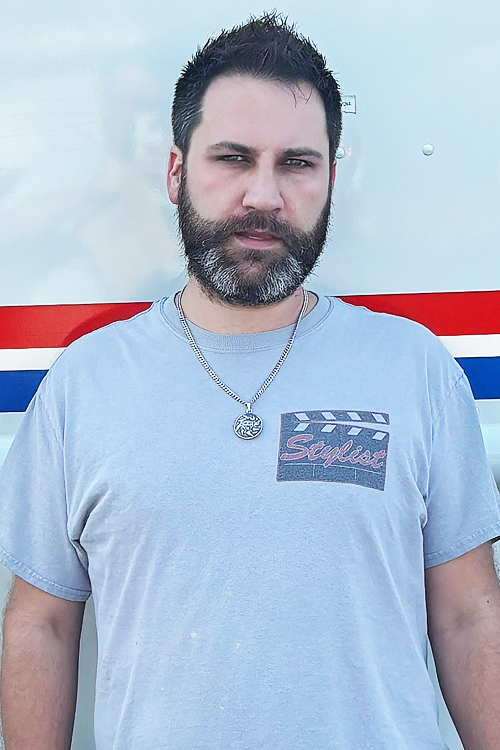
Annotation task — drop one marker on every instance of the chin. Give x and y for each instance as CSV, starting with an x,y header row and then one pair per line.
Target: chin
x,y
251,290
255,280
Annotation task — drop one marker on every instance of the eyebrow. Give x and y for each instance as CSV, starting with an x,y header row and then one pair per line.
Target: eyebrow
x,y
232,146
289,153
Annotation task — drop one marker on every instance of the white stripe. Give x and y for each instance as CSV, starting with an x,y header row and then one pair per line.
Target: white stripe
x,y
301,427
302,417
354,431
354,415
379,418
379,436
28,359
484,345
328,415
328,428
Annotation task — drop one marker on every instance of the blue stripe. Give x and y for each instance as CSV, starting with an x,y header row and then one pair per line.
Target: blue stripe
x,y
483,374
18,387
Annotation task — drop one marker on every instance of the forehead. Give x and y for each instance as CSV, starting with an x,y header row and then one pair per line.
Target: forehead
x,y
261,114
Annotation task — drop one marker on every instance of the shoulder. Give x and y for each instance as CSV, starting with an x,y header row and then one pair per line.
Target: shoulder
x,y
100,355
392,332
384,323
404,350
107,340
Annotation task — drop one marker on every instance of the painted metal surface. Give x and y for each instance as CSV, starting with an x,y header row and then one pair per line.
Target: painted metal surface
x,y
84,128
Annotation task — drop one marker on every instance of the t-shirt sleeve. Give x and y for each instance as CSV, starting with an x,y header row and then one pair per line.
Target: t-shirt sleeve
x,y
462,500
34,539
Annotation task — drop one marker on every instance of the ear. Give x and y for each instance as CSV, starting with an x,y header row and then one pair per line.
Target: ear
x,y
174,170
333,172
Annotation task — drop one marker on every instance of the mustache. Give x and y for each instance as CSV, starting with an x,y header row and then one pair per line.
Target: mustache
x,y
220,231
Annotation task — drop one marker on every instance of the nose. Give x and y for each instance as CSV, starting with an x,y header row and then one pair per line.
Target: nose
x,y
263,191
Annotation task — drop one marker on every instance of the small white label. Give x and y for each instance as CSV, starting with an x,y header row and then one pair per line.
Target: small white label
x,y
349,105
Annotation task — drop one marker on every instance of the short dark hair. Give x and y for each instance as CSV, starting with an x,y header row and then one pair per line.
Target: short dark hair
x,y
266,47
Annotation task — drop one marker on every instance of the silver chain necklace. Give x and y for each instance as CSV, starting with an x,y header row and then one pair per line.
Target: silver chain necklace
x,y
248,425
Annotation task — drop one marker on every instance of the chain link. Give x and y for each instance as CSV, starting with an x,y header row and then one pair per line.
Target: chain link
x,y
267,382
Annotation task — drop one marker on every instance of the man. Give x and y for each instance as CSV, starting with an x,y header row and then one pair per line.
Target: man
x,y
253,480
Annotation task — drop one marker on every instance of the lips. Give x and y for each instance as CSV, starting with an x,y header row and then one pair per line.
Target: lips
x,y
256,235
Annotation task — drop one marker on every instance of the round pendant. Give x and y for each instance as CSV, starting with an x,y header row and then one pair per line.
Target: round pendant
x,y
248,426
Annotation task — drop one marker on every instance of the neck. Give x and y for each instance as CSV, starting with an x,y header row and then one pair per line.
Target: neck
x,y
219,317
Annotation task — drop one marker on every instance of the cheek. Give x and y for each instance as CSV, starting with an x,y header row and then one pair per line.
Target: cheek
x,y
214,197
215,205
305,208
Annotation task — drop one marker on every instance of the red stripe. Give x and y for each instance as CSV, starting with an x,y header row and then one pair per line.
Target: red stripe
x,y
58,325
445,313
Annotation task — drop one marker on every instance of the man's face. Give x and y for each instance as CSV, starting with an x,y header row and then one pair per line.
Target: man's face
x,y
254,192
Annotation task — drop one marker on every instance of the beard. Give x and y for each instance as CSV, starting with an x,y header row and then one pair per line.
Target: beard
x,y
249,278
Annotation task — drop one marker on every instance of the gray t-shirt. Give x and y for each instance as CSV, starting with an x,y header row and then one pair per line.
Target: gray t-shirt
x,y
252,595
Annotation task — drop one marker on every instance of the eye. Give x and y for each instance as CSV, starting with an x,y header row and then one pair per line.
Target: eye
x,y
232,158
297,163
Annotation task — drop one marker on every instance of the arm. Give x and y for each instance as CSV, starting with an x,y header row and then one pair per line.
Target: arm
x,y
39,669
463,609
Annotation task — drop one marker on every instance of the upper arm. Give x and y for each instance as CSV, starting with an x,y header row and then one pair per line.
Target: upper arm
x,y
34,606
463,590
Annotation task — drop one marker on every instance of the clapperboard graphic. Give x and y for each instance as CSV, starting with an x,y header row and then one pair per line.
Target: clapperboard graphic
x,y
348,447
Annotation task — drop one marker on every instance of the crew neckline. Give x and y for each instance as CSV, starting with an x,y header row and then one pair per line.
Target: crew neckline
x,y
234,342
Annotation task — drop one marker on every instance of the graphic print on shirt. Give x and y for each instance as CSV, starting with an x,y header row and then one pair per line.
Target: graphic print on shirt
x,y
334,446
